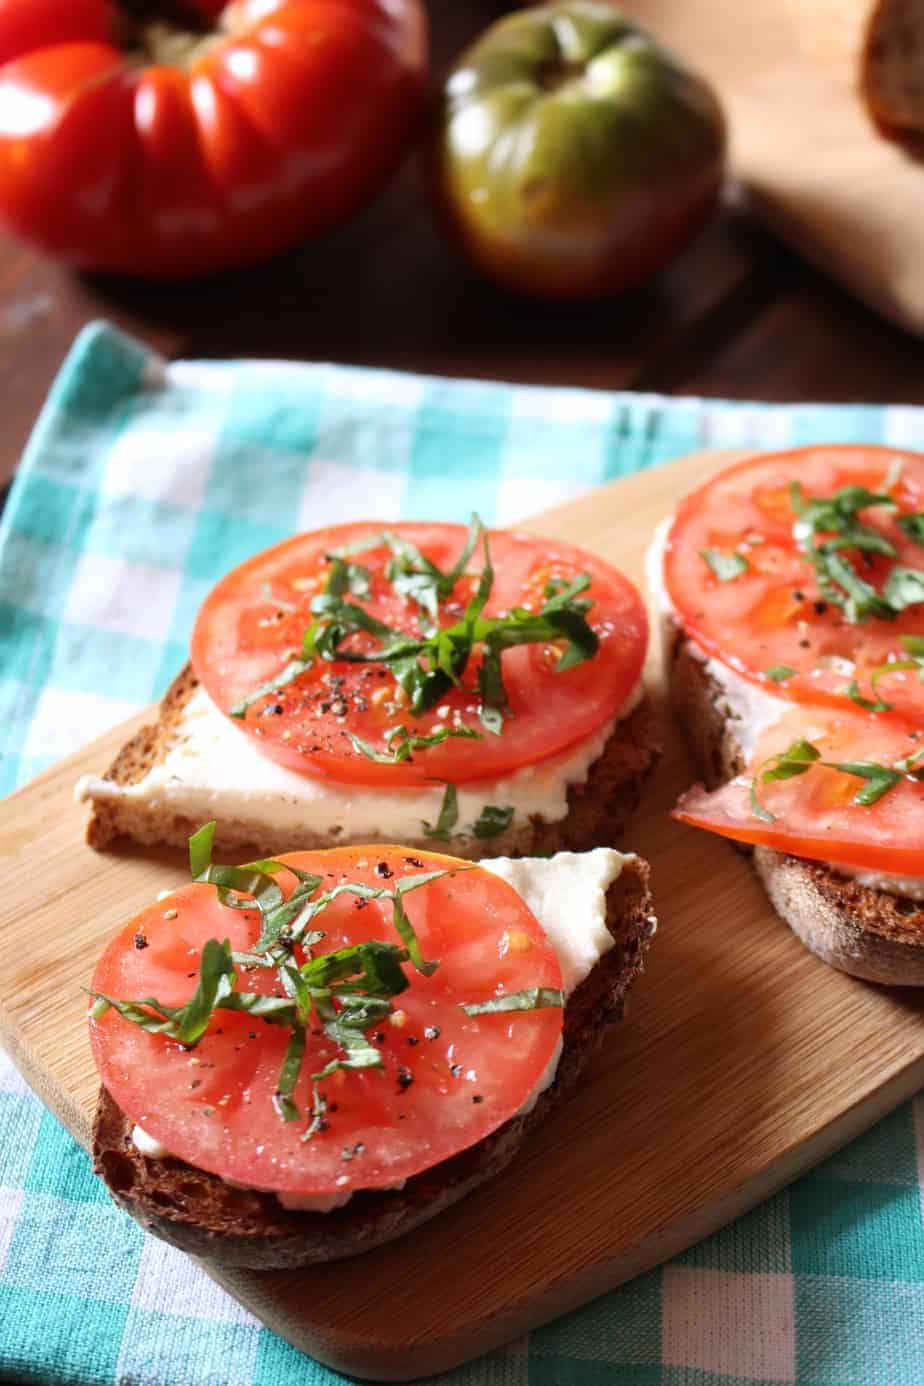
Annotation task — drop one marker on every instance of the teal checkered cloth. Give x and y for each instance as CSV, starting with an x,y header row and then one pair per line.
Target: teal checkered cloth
x,y
127,507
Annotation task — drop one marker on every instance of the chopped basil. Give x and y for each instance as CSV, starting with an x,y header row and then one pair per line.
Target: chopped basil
x,y
913,526
448,816
426,668
492,821
348,989
904,587
879,778
838,517
725,566
779,673
289,1075
868,704
348,577
318,1113
531,999
400,743
795,760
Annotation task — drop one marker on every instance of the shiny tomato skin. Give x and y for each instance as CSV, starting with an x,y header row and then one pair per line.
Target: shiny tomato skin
x,y
213,1106
571,156
275,128
815,813
253,620
774,614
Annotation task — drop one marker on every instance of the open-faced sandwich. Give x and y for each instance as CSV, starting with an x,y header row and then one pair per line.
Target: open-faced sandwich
x,y
792,595
303,1059
414,684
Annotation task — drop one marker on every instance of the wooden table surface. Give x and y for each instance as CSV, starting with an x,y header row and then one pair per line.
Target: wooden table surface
x,y
737,315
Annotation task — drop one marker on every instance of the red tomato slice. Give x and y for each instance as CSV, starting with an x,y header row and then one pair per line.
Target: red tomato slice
x,y
447,1081
253,621
774,614
815,813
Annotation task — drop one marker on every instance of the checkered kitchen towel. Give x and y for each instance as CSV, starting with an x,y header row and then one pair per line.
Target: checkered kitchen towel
x,y
143,482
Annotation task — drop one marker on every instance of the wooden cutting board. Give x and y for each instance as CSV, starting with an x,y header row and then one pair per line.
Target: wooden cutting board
x,y
743,1060
802,145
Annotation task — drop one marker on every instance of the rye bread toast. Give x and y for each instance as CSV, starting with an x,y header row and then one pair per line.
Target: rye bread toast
x,y
200,1214
869,933
598,809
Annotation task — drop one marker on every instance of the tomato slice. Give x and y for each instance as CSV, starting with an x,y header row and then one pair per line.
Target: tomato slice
x,y
447,1079
252,624
775,614
815,813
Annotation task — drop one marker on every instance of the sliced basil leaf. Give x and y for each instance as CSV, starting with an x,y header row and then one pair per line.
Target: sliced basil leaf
x,y
904,587
913,526
200,849
289,1075
318,1113
779,673
348,577
492,821
868,704
530,999
216,982
448,816
795,760
401,743
880,779
287,675
725,566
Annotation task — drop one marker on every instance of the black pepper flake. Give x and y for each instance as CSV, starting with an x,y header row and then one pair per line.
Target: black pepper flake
x,y
820,608
477,1098
252,1034
405,1078
196,1083
432,1032
412,1039
192,974
456,1070
799,596
413,861
379,1036
208,1111
140,941
332,1106
805,644
361,903
384,870
323,1125
272,710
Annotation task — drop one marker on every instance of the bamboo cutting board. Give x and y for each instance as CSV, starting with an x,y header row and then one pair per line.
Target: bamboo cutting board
x,y
743,1060
815,168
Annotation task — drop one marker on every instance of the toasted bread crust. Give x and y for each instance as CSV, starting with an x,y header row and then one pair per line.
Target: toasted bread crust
x,y
869,933
200,1214
597,810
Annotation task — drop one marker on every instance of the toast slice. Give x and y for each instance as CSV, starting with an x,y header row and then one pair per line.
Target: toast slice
x,y
200,1214
598,808
869,933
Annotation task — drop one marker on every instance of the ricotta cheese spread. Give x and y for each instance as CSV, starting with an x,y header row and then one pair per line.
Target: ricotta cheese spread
x,y
567,894
751,710
214,770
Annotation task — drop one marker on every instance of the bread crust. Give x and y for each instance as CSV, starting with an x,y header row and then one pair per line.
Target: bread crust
x,y
868,933
598,810
200,1214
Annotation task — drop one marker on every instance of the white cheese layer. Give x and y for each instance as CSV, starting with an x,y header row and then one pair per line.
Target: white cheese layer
x,y
750,710
567,894
214,770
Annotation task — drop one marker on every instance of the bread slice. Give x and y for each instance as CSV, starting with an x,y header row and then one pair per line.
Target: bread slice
x,y
869,933
892,70
598,809
200,1214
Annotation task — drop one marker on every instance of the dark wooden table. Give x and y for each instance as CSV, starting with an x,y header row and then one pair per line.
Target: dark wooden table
x,y
736,315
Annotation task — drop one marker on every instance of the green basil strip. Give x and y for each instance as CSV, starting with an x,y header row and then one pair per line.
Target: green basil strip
x,y
492,821
448,816
725,566
289,1075
285,676
795,760
904,587
913,526
531,999
880,779
318,1113
868,704
200,849
779,673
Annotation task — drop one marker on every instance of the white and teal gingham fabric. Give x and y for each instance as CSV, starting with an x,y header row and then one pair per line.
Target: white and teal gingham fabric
x,y
142,483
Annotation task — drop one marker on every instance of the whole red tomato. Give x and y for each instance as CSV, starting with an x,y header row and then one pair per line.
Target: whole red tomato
x,y
573,156
171,140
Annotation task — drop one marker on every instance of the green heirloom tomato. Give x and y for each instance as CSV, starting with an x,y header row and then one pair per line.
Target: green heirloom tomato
x,y
573,156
